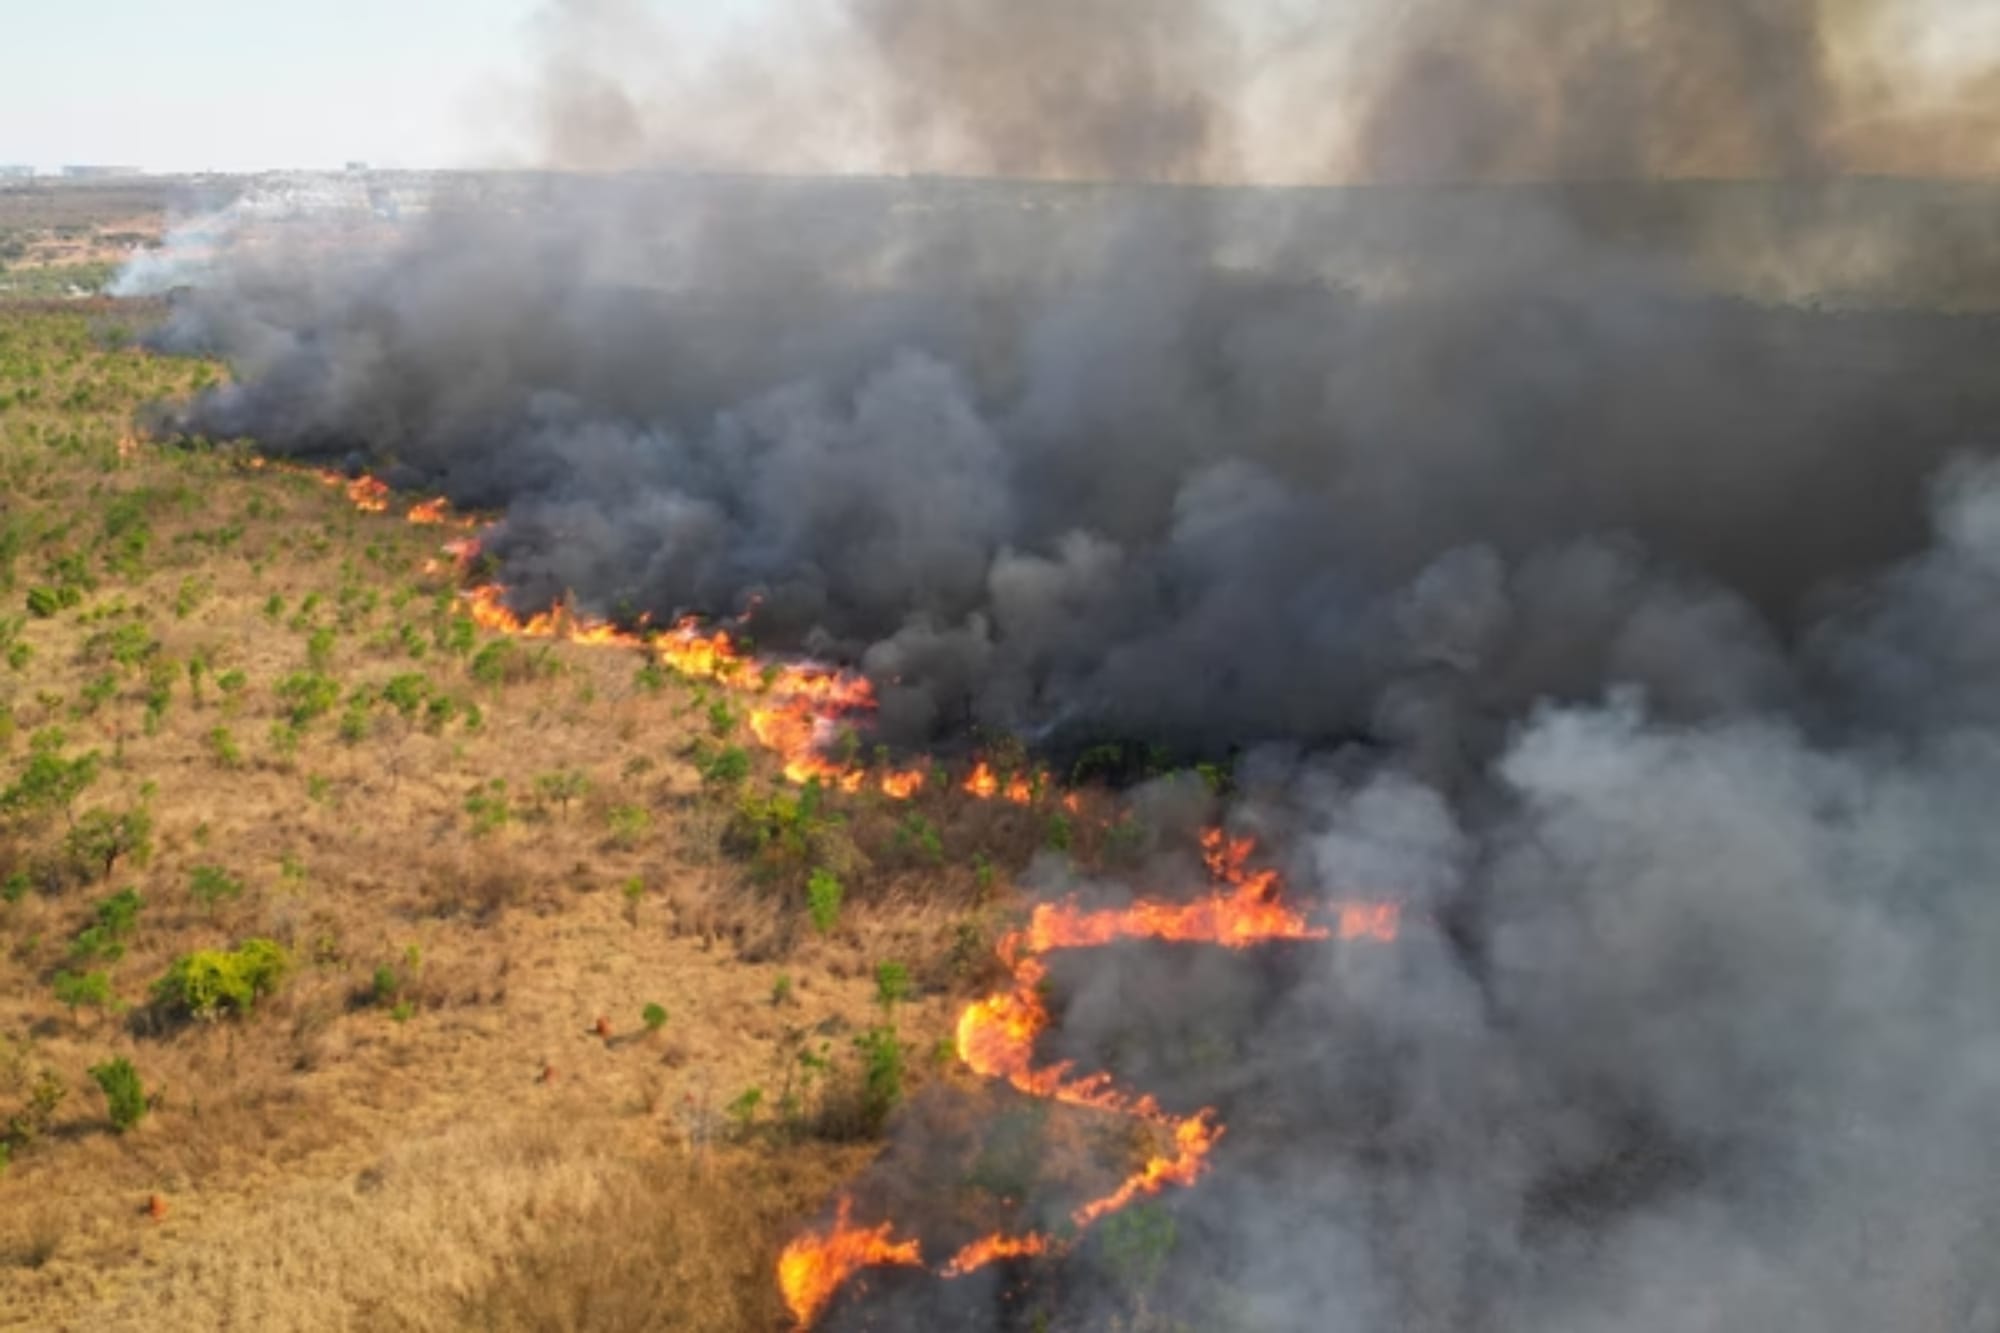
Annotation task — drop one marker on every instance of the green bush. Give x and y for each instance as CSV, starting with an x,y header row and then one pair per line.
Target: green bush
x,y
881,1074
629,824
50,783
46,602
823,898
654,1016
116,917
212,982
222,747
211,884
727,767
892,985
492,664
76,989
123,1092
308,695
488,807
407,693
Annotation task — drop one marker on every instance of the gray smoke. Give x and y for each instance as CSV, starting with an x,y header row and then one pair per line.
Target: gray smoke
x,y
1602,566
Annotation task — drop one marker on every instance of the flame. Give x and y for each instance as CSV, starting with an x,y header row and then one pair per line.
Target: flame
x,y
1019,789
997,1034
368,494
814,1266
991,1249
801,708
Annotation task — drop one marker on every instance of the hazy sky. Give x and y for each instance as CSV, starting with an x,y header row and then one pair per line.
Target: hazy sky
x,y
240,84
244,84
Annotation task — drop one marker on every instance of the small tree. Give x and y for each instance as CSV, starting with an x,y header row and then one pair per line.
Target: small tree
x,y
100,839
123,1092
561,788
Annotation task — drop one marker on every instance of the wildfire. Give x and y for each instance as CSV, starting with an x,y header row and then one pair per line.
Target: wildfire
x,y
984,784
817,1264
997,1034
802,709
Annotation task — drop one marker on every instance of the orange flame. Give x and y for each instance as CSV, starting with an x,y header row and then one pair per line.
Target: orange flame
x,y
815,1266
368,494
997,1034
430,512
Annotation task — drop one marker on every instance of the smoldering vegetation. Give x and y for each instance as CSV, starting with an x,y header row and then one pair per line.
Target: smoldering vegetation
x,y
1602,568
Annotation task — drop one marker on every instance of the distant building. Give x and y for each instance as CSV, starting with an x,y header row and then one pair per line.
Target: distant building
x,y
357,166
9,172
93,172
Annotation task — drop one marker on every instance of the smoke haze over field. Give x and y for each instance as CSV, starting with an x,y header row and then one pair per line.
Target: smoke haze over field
x,y
1606,569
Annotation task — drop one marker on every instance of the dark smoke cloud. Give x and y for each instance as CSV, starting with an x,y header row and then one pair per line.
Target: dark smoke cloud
x,y
1603,567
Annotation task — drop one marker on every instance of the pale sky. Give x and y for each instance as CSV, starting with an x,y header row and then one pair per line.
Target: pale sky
x,y
233,85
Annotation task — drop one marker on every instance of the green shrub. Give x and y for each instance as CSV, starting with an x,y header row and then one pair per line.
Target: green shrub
x,y
46,602
76,989
881,1074
354,723
727,767
50,783
629,824
823,897
488,807
212,982
123,1093
919,836
742,1111
654,1017
79,989
892,985
407,693
308,695
211,884
492,664
319,650
222,747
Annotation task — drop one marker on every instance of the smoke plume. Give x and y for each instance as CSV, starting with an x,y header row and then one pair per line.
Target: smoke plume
x,y
1571,500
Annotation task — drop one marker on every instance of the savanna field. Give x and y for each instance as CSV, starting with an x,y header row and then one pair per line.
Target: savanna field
x,y
361,967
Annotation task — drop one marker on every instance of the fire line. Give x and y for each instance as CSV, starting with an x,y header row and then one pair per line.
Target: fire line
x,y
801,709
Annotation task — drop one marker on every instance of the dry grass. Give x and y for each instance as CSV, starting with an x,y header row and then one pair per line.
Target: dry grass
x,y
466,1150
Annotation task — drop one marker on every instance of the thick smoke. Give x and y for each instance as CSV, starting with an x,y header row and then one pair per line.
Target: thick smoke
x,y
1602,566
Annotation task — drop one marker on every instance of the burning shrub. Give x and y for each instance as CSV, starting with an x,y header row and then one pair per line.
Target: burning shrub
x,y
210,983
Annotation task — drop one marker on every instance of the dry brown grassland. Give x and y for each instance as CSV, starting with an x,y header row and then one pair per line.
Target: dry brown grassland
x,y
420,1126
